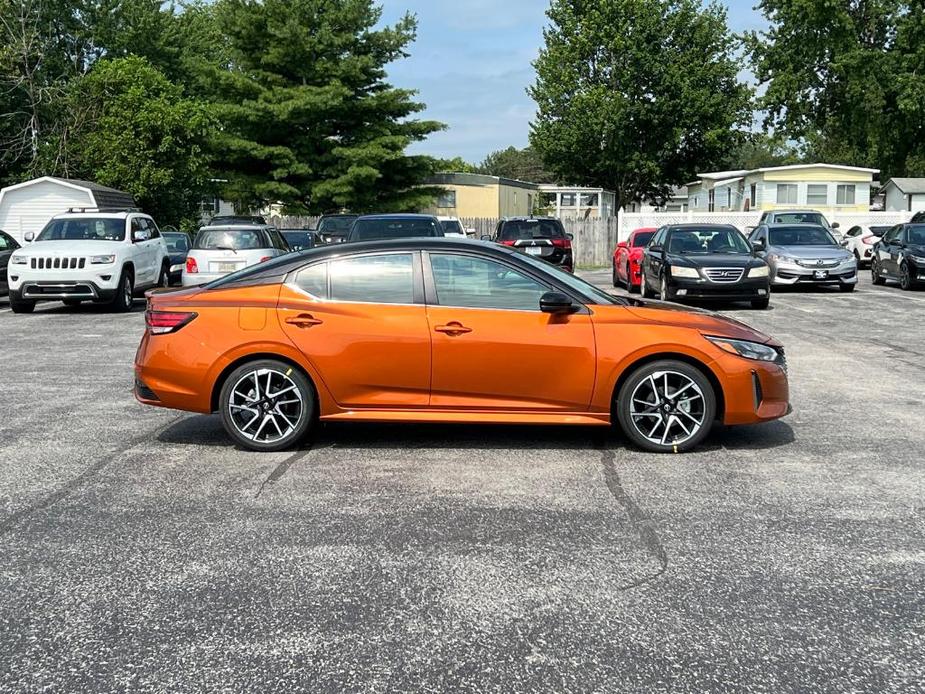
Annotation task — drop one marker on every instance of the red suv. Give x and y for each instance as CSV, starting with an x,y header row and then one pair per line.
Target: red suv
x,y
541,237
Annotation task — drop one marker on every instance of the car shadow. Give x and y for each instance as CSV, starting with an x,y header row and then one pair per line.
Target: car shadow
x,y
138,306
207,430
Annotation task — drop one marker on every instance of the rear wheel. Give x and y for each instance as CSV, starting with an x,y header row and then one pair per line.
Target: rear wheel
x,y
21,305
666,406
122,301
267,405
616,280
875,275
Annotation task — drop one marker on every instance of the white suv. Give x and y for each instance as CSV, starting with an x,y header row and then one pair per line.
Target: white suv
x,y
106,257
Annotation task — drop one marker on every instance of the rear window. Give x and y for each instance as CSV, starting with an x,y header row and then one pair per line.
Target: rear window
x,y
230,239
394,228
451,226
176,243
642,239
84,229
532,229
336,224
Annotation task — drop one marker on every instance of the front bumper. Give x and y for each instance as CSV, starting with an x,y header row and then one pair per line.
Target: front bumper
x,y
754,391
743,290
47,290
789,274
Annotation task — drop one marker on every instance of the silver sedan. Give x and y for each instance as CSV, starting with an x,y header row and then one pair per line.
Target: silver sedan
x,y
805,254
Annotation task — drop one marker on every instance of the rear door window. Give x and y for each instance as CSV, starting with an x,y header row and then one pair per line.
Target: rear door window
x,y
378,279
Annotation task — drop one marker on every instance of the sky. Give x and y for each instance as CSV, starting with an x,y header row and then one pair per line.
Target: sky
x,y
471,65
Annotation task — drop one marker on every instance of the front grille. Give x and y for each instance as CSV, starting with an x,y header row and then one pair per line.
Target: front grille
x,y
820,263
724,274
58,263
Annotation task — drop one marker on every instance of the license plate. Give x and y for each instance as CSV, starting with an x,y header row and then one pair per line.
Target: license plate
x,y
226,267
534,250
820,274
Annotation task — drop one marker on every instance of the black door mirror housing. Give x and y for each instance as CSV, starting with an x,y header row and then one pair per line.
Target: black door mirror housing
x,y
556,303
486,237
758,245
656,249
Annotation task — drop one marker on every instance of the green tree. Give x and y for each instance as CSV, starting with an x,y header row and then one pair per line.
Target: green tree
x,y
455,165
520,164
636,95
135,131
756,150
306,115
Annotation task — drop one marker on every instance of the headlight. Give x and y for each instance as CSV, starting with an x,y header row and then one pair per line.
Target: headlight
x,y
743,348
761,271
688,272
19,260
918,259
782,258
102,259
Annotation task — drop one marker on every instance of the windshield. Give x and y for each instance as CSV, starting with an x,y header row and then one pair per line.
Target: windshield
x,y
532,229
599,296
800,236
393,228
916,235
230,239
642,239
340,224
299,239
800,218
707,241
451,226
84,229
176,243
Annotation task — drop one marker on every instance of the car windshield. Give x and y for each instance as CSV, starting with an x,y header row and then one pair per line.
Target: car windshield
x,y
800,218
879,231
339,224
393,228
642,239
176,242
526,229
452,226
707,241
84,229
916,235
599,296
229,239
299,239
800,236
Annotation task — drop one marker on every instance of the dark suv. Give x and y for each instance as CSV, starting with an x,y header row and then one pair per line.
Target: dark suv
x,y
334,228
541,237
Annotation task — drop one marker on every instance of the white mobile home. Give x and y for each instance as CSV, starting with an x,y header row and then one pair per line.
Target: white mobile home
x,y
904,195
28,206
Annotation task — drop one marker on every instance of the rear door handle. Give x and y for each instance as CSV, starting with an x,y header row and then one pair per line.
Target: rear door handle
x,y
453,328
304,320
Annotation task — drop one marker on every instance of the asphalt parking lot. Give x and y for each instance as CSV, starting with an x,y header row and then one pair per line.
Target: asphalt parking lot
x,y
141,551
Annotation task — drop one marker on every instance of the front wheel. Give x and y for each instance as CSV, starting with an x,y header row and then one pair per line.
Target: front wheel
x,y
905,277
665,290
644,287
666,406
267,405
163,279
21,305
761,304
616,280
847,287
123,300
875,275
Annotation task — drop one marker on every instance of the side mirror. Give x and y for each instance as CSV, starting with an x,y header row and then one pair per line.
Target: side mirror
x,y
556,303
29,237
623,244
486,237
758,246
835,225
141,235
570,237
843,243
658,250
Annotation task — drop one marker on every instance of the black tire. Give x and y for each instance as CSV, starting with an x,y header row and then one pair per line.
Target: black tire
x,y
21,305
644,287
705,410
875,275
761,304
616,281
122,301
72,303
163,279
905,278
282,373
664,292
847,288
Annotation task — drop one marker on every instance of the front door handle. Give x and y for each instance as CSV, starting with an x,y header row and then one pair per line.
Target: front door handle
x,y
453,329
304,320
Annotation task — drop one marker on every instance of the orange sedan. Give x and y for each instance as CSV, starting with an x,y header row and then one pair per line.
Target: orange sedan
x,y
447,330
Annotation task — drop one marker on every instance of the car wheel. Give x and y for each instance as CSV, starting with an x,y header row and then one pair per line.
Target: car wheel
x,y
72,303
616,281
665,292
905,277
644,287
666,406
21,305
847,287
761,304
267,405
875,275
122,301
163,279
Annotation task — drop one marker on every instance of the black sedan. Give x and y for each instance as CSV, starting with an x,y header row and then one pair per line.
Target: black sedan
x,y
177,250
7,246
900,255
704,261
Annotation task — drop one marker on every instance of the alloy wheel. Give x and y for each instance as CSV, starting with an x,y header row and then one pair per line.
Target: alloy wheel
x,y
664,288
127,291
905,280
667,408
266,406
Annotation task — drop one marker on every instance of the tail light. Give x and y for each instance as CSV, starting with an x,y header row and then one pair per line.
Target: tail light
x,y
507,243
266,258
562,243
870,240
191,266
162,322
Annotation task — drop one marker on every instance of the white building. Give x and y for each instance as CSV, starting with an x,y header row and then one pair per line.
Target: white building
x,y
904,195
29,206
576,201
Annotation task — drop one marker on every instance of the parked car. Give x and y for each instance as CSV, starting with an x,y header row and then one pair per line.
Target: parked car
x,y
805,254
7,245
394,226
104,257
234,219
300,239
900,255
177,248
627,258
800,217
452,227
448,330
918,218
860,240
540,237
220,250
704,261
334,228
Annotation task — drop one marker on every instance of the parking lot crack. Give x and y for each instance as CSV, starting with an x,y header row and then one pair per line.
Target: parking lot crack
x,y
639,520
